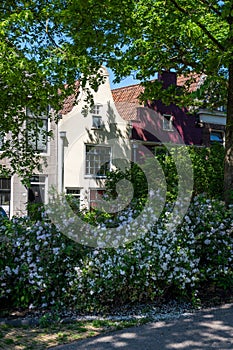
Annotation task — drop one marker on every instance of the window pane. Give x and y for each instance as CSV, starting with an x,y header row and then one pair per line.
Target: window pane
x,y
97,160
96,121
37,131
36,192
5,183
96,109
1,140
5,193
167,122
216,136
41,136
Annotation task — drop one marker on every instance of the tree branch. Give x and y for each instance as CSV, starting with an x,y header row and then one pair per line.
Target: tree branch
x,y
217,12
200,25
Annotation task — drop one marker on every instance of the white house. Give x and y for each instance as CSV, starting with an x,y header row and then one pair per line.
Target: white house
x,y
93,140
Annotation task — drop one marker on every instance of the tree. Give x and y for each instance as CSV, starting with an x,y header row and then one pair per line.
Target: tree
x,y
37,69
187,36
59,41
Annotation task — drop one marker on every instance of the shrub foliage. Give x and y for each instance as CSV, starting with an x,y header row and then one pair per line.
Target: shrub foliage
x,y
40,267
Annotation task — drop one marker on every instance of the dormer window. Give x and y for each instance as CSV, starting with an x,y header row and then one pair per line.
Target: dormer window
x,y
167,122
96,116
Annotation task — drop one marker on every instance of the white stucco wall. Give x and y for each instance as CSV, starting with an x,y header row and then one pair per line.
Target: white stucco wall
x,y
79,132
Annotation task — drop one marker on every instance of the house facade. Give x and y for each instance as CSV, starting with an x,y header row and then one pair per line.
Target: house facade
x,y
95,140
90,140
14,196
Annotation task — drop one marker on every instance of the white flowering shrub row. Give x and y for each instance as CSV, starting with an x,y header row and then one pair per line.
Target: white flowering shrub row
x,y
41,267
35,263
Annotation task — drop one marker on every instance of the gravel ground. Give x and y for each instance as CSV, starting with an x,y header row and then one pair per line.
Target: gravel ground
x,y
152,311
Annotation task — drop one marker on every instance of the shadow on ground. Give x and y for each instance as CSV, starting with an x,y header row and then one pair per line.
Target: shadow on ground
x,y
209,329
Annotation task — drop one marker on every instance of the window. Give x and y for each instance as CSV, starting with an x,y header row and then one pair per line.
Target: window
x,y
96,109
37,131
95,195
217,136
96,122
96,116
73,191
5,193
167,122
1,140
36,192
97,160
222,109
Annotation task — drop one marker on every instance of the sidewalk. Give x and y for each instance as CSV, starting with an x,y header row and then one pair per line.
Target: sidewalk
x,y
208,329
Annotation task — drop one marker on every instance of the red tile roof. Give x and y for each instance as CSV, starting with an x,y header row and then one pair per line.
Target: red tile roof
x,y
128,93
69,102
126,100
193,80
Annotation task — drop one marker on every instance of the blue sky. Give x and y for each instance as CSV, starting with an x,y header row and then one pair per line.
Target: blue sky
x,y
125,82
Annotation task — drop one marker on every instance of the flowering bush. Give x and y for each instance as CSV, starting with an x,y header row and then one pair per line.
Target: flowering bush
x,y
35,262
40,267
179,260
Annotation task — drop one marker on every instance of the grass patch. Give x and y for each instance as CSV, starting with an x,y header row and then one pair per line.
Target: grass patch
x,y
41,338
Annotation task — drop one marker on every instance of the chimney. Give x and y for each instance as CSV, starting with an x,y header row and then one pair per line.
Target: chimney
x,y
168,78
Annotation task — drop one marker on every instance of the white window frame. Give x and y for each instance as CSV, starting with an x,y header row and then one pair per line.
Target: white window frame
x,y
45,119
97,120
96,109
42,181
168,122
8,191
95,160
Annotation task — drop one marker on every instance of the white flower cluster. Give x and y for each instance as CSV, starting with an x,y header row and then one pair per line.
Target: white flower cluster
x,y
35,262
42,267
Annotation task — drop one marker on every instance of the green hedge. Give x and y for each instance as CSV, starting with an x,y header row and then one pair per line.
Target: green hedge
x,y
207,165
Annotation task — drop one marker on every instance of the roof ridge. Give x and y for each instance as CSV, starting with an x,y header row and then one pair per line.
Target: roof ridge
x,y
127,86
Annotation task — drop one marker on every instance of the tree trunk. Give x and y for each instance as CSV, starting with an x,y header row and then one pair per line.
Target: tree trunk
x,y
228,162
